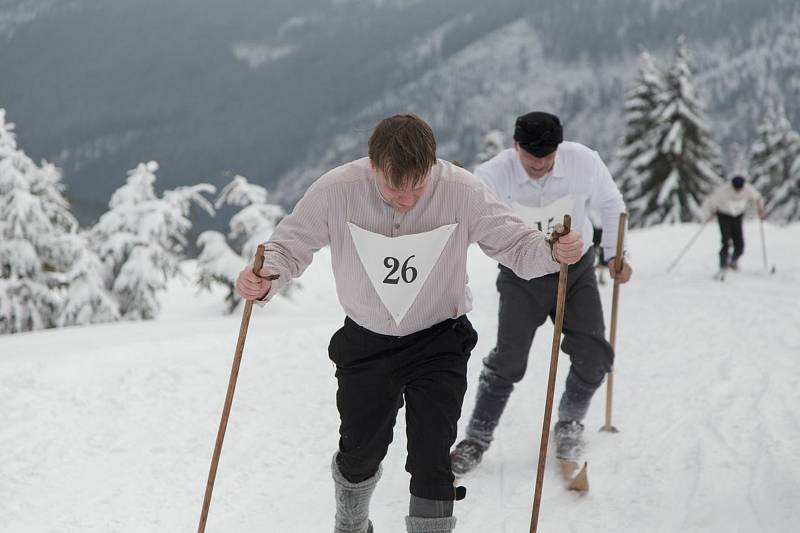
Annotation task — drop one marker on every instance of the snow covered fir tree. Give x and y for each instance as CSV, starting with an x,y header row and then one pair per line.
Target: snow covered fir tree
x,y
142,239
31,212
775,166
85,299
643,102
48,276
218,263
679,162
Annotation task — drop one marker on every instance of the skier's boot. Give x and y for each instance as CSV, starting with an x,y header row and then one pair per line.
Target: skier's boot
x,y
352,501
465,456
568,435
490,401
572,408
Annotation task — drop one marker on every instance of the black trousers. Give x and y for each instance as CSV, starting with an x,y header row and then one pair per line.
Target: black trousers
x,y
376,373
731,230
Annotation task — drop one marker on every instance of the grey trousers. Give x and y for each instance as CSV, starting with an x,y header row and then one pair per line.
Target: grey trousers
x,y
524,306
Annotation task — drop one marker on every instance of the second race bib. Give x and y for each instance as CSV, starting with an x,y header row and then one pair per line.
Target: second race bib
x,y
545,218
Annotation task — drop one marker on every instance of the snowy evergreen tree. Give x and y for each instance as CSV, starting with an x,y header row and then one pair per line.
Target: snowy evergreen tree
x,y
784,204
141,239
643,103
8,139
33,215
775,166
492,144
685,163
218,263
85,299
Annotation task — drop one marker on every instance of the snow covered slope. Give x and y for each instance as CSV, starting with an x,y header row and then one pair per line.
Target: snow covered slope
x,y
110,428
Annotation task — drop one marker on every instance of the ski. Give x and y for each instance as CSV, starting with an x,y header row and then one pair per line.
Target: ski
x,y
575,477
720,276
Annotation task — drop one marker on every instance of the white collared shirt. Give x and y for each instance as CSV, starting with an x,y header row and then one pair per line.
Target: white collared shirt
x,y
578,173
729,201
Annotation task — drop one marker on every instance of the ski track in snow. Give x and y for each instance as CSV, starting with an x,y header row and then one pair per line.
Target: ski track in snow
x,y
110,428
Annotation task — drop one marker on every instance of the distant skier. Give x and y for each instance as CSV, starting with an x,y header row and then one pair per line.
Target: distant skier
x,y
729,202
542,178
399,224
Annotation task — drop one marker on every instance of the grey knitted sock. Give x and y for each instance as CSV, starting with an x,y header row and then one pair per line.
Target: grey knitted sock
x,y
352,501
416,524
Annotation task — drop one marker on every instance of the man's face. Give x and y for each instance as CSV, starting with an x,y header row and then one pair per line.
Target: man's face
x,y
401,200
536,167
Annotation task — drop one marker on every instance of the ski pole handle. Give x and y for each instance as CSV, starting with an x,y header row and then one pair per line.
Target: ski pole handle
x,y
258,264
567,225
555,235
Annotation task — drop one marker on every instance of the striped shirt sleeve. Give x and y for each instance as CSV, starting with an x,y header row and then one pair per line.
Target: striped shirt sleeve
x,y
292,245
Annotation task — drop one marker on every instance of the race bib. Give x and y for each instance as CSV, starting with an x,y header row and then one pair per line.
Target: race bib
x,y
399,266
545,218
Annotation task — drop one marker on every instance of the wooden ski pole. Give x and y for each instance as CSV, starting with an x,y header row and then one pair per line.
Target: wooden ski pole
x,y
763,244
551,384
612,339
686,248
226,410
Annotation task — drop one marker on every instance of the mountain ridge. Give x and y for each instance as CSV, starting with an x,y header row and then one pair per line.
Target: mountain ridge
x,y
284,89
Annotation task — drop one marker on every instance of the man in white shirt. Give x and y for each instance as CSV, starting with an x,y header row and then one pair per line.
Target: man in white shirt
x,y
542,178
729,202
399,224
